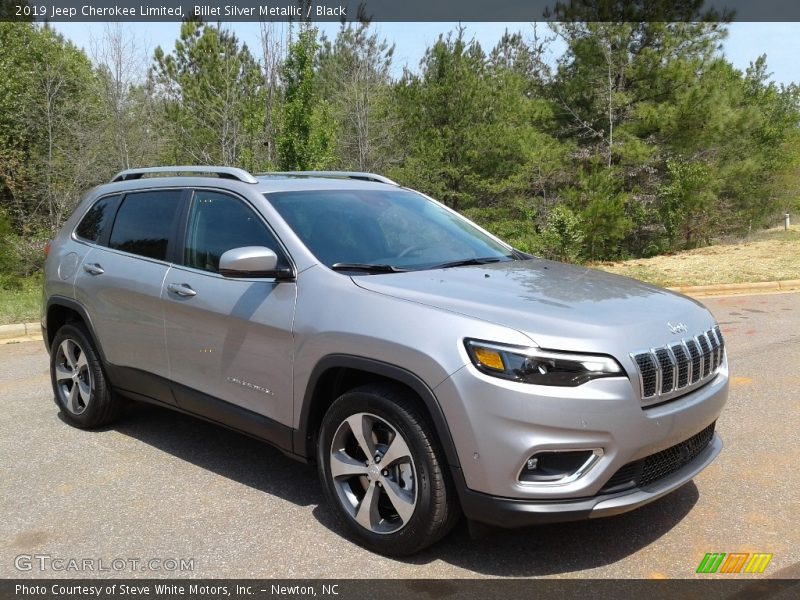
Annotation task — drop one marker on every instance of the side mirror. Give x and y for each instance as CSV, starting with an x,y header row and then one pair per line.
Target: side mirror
x,y
251,261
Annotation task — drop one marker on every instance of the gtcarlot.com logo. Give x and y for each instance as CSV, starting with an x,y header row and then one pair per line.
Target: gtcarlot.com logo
x,y
47,562
735,562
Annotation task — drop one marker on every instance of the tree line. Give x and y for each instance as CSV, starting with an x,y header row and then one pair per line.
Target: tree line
x,y
639,138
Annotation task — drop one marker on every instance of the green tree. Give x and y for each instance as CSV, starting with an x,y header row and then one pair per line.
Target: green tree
x,y
562,238
640,138
440,110
629,94
353,72
473,133
211,90
601,203
689,202
758,149
49,119
132,124
307,135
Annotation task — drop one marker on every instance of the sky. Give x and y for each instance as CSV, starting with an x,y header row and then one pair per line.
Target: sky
x,y
745,42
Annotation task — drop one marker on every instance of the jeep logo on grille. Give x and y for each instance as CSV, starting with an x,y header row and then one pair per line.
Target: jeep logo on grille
x,y
677,328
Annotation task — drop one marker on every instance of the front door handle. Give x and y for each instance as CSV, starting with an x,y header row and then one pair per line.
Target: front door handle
x,y
181,289
93,269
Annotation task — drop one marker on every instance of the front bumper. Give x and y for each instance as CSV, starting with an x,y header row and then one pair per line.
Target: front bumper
x,y
496,425
512,512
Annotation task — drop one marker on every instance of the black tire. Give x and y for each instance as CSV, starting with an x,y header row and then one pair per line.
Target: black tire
x,y
87,410
425,469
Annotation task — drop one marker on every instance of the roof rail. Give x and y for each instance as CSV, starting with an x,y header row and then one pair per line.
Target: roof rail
x,y
222,172
333,175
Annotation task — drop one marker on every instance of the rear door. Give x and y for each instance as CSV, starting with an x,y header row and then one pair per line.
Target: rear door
x,y
230,339
119,283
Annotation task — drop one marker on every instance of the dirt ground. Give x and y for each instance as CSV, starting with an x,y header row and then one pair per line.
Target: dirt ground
x,y
771,255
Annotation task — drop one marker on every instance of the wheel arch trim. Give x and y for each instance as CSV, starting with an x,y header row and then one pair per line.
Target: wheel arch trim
x,y
75,306
302,435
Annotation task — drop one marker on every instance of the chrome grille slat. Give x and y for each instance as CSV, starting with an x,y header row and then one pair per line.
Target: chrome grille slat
x,y
718,333
705,348
665,371
682,364
647,374
697,359
712,337
688,362
666,365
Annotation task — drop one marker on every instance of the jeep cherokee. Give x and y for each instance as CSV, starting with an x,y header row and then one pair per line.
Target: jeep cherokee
x,y
428,368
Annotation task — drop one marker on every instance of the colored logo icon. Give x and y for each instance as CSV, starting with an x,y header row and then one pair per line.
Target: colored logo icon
x,y
735,562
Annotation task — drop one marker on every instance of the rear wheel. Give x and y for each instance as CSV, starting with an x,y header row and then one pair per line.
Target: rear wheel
x,y
80,386
383,472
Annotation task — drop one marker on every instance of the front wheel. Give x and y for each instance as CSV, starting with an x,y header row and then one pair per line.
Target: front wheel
x,y
383,472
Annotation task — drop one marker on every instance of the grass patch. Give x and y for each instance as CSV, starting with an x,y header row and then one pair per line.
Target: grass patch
x,y
770,255
21,300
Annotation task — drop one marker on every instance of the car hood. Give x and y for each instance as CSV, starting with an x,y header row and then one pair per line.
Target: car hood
x,y
558,306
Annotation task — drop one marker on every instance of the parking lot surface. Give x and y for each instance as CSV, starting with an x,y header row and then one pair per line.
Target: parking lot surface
x,y
159,485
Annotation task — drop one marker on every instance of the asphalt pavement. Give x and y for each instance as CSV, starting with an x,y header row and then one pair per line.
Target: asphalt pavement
x,y
162,486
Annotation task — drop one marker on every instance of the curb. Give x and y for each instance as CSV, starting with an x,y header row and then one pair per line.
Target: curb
x,y
738,288
17,330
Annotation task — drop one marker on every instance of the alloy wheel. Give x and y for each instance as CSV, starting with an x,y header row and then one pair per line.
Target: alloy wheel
x,y
73,377
373,473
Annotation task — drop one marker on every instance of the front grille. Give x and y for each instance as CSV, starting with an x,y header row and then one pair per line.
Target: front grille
x,y
655,467
669,369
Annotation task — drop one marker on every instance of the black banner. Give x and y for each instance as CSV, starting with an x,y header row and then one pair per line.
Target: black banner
x,y
398,10
716,587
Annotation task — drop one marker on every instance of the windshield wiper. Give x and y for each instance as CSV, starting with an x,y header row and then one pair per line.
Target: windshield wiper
x,y
469,261
366,267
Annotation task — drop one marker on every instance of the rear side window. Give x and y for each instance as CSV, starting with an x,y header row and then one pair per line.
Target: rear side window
x,y
95,224
145,222
218,223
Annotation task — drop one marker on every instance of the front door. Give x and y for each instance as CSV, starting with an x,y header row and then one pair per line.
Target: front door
x,y
228,338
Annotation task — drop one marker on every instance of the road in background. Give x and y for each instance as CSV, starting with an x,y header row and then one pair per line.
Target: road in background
x,y
162,485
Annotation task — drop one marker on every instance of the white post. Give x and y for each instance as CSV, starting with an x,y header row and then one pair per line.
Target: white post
x,y
786,221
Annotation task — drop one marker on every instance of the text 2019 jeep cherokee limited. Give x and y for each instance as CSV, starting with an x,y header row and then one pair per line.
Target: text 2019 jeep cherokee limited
x,y
427,367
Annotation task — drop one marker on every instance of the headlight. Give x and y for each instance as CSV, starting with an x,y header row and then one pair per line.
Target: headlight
x,y
542,367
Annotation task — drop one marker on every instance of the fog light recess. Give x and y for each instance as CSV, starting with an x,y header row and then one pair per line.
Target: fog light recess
x,y
558,467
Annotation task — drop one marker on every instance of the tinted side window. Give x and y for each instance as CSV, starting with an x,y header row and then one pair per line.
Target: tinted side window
x,y
218,223
96,222
144,223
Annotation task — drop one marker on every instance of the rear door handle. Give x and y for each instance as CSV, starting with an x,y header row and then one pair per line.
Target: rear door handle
x,y
181,289
93,269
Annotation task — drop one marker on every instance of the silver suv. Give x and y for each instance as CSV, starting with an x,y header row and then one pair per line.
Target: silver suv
x,y
427,367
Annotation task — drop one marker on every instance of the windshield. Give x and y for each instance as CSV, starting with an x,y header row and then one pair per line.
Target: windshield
x,y
390,230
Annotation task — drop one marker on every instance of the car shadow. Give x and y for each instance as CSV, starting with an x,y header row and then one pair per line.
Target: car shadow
x,y
560,548
551,549
227,453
